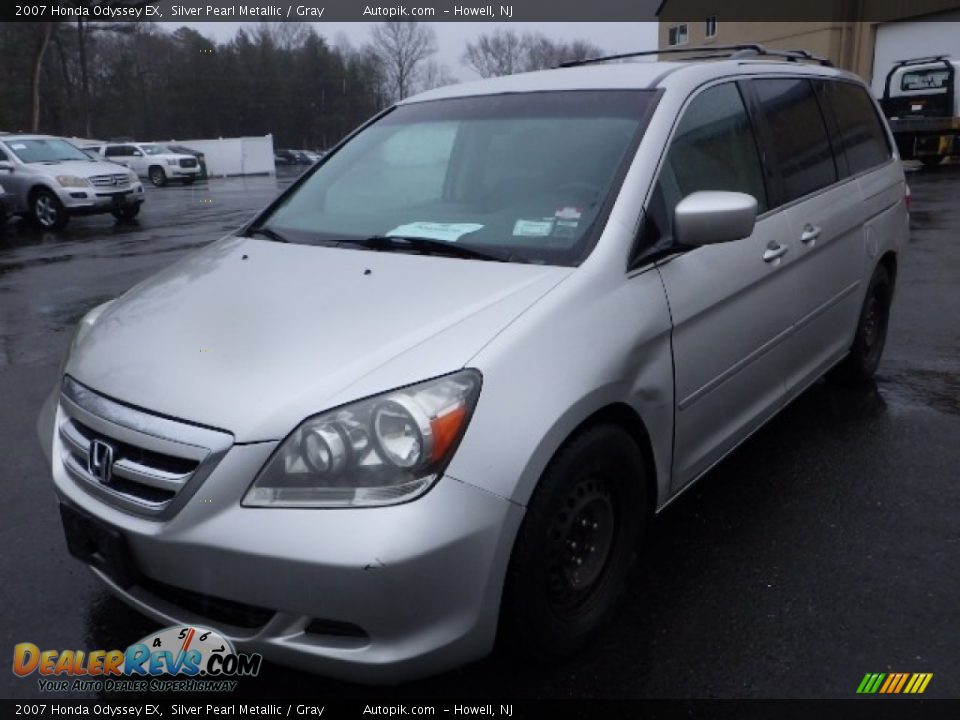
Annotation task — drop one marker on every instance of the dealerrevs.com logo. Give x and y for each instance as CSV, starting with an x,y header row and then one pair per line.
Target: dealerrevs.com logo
x,y
200,660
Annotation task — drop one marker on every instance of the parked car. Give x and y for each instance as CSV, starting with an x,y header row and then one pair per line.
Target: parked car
x,y
51,180
921,99
284,156
438,388
201,158
154,161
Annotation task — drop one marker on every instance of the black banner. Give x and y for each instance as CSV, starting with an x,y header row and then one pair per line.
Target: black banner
x,y
667,11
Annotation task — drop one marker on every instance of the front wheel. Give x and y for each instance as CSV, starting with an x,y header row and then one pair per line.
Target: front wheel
x,y
871,336
575,546
126,213
48,211
157,176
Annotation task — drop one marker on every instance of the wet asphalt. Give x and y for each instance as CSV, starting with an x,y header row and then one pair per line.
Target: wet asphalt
x,y
826,547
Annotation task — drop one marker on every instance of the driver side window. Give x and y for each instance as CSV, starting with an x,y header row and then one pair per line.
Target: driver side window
x,y
714,148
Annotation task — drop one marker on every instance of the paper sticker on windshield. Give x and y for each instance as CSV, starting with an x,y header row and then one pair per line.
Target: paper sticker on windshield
x,y
533,228
450,232
565,228
568,213
18,146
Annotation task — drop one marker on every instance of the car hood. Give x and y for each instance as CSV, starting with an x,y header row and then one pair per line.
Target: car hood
x,y
81,168
253,336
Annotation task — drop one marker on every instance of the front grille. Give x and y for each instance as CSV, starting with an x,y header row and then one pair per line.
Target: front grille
x,y
188,162
117,180
140,462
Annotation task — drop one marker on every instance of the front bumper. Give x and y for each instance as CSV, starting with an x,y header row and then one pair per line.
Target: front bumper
x,y
416,585
175,171
92,201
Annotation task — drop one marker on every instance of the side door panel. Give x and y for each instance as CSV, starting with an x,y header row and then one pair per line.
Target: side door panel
x,y
730,318
728,305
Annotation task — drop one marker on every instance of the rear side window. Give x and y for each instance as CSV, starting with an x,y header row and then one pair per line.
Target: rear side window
x,y
116,151
860,133
798,135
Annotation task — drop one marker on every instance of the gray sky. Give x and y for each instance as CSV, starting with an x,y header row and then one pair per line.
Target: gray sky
x,y
453,37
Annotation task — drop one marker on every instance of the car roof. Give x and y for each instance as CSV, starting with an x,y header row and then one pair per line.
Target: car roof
x,y
629,75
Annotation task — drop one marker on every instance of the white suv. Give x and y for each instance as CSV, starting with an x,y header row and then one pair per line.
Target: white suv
x,y
151,160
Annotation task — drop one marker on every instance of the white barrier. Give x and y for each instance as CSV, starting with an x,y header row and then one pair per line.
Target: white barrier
x,y
233,156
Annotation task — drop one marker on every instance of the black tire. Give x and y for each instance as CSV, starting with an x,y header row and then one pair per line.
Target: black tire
x,y
188,180
576,545
47,210
871,336
126,213
932,161
157,176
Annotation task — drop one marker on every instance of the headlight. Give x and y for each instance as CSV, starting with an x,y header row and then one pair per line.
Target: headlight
x,y
72,181
384,450
132,175
171,162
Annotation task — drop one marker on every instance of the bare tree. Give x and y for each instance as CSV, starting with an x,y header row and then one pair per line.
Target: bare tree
x,y
502,52
42,32
400,48
433,75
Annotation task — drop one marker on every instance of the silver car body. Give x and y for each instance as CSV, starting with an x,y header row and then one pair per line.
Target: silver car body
x,y
106,182
693,352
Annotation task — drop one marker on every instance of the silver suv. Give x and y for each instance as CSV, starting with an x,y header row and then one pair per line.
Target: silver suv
x,y
50,180
436,390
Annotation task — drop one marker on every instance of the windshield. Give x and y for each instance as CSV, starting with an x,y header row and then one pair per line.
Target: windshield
x,y
155,150
45,150
523,176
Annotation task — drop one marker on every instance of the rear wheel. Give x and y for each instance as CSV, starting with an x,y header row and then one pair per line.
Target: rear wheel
x,y
575,547
867,349
48,211
157,176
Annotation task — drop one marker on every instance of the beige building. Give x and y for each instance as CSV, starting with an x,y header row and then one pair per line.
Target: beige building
x,y
849,39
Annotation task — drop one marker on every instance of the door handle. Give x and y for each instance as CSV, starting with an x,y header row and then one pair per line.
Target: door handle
x,y
773,251
810,233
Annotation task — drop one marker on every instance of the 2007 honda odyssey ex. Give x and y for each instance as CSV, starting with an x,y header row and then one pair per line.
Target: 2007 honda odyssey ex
x,y
432,395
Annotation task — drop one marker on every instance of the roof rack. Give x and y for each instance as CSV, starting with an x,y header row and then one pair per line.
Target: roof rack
x,y
710,52
921,60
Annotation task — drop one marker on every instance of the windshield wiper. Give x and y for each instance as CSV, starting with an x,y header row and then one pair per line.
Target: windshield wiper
x,y
268,233
429,246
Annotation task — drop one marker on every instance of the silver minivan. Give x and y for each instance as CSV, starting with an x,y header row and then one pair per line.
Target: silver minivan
x,y
432,395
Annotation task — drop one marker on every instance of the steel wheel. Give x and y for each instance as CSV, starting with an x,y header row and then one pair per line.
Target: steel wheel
x,y
157,176
581,538
871,334
575,547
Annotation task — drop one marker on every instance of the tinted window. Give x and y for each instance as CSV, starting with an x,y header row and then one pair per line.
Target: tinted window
x,y
859,131
116,151
798,135
713,149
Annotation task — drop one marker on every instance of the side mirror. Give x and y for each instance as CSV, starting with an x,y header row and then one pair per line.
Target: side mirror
x,y
713,216
136,153
6,165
